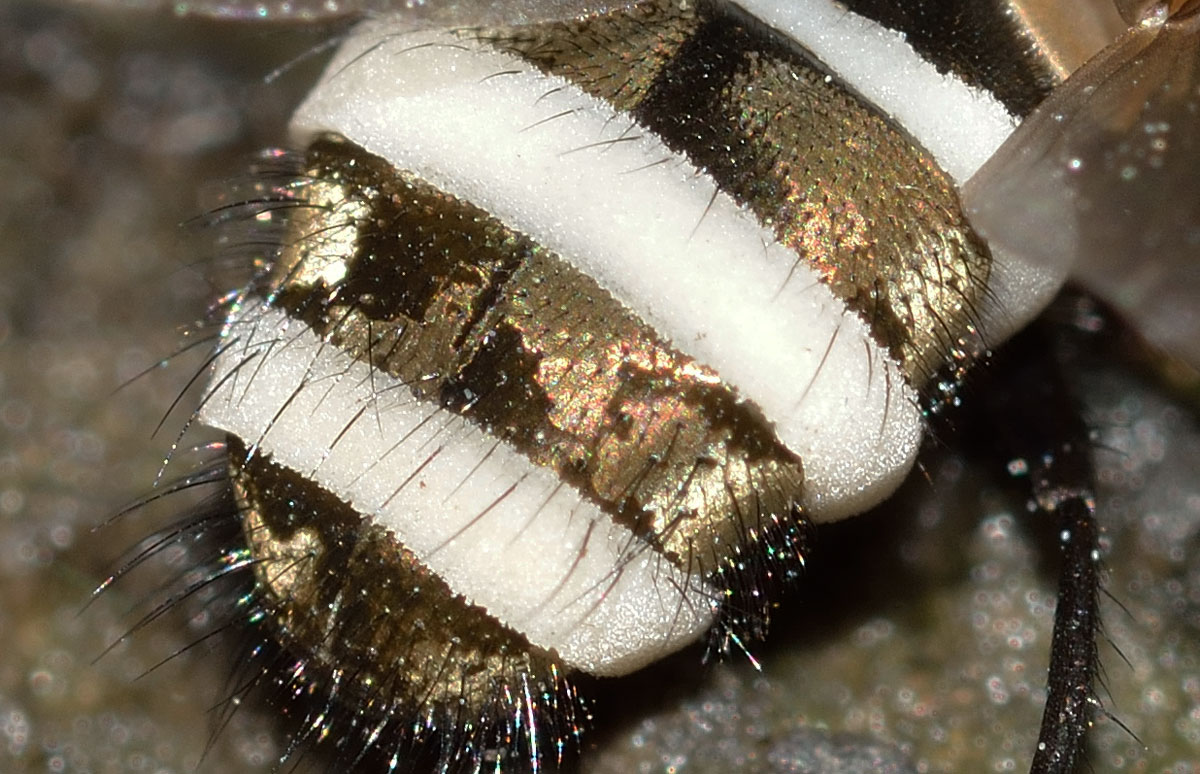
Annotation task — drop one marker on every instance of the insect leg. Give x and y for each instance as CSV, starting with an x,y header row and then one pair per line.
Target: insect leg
x,y
1038,424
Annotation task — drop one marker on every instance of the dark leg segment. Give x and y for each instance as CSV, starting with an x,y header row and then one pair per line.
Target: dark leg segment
x,y
1037,421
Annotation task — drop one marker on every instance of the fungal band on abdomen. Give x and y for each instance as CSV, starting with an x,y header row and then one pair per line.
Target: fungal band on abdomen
x,y
502,532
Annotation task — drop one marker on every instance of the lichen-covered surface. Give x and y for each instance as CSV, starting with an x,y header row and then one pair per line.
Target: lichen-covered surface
x,y
920,639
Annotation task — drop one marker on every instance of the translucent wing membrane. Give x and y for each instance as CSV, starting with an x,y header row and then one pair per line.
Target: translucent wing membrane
x,y
1133,11
1102,179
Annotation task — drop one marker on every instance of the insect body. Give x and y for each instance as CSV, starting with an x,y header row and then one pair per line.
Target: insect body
x,y
575,334
572,330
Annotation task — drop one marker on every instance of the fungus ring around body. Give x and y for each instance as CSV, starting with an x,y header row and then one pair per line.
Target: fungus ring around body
x,y
501,531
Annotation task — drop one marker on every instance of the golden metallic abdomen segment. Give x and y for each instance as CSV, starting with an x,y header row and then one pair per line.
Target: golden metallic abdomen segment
x,y
370,618
854,196
480,320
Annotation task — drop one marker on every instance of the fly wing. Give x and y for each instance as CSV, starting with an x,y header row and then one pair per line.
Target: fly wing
x,y
1103,180
1134,11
